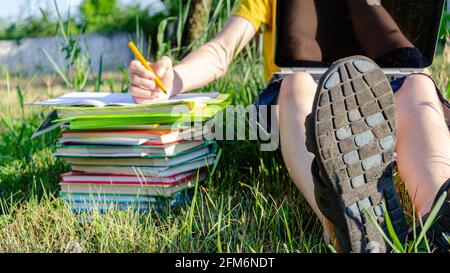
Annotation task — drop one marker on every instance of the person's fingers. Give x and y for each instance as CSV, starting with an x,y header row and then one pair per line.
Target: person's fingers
x,y
142,82
159,95
161,66
137,68
139,92
142,100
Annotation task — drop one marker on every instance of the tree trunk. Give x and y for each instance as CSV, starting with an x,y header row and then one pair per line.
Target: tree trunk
x,y
197,21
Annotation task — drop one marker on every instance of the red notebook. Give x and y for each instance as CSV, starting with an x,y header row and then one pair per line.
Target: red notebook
x,y
133,137
88,178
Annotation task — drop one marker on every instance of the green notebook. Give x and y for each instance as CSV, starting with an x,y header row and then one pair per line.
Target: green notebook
x,y
160,108
210,145
110,121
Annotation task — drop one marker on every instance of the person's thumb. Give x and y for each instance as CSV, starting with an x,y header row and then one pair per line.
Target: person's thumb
x,y
162,66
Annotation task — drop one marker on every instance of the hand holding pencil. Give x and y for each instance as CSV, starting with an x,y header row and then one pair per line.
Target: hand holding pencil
x,y
149,82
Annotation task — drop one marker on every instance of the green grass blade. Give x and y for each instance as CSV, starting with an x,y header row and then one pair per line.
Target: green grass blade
x,y
431,218
192,209
162,46
85,78
414,221
74,48
332,249
380,230
57,69
288,231
99,83
8,83
219,222
216,162
391,231
60,22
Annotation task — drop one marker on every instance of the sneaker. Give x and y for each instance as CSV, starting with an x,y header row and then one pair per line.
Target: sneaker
x,y
351,132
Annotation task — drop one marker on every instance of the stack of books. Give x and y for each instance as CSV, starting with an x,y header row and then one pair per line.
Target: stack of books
x,y
128,156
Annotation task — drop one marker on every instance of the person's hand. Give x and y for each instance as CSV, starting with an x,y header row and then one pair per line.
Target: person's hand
x,y
143,86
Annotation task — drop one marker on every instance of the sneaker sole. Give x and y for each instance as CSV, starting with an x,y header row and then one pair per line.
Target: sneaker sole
x,y
354,127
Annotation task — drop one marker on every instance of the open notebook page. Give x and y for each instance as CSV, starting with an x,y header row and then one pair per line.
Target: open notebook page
x,y
99,99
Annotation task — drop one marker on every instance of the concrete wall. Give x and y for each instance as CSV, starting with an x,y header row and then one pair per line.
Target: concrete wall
x,y
27,56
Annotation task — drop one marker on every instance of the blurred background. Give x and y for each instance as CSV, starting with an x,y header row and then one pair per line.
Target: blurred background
x,y
37,35
82,44
31,29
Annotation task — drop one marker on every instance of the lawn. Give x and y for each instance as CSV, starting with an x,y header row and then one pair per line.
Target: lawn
x,y
249,204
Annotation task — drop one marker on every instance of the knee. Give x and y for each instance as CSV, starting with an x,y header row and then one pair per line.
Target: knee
x,y
297,88
418,88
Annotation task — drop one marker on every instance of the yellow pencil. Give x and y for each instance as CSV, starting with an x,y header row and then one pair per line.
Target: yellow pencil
x,y
144,62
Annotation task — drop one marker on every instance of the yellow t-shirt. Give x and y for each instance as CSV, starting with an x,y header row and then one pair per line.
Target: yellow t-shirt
x,y
261,14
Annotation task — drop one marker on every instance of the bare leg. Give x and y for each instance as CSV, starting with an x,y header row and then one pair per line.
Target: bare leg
x,y
423,147
295,103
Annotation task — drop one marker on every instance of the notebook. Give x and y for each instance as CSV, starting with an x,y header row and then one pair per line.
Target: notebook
x,y
103,207
102,99
147,171
118,128
173,105
178,197
126,151
150,137
140,162
102,198
140,190
81,177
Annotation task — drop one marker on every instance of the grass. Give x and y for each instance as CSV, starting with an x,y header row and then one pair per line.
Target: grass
x,y
249,204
